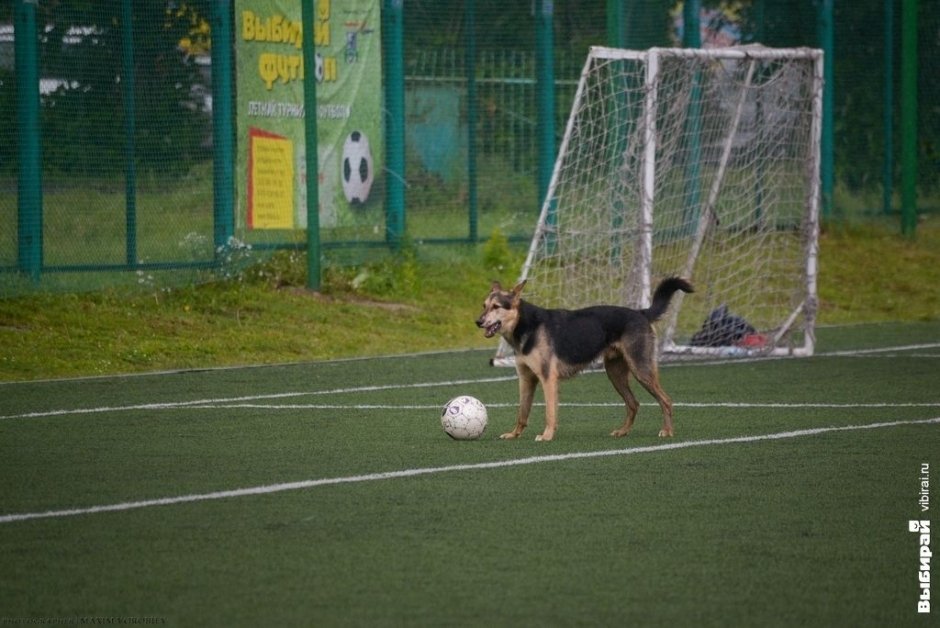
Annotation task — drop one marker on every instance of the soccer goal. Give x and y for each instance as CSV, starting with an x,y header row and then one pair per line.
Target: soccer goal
x,y
691,162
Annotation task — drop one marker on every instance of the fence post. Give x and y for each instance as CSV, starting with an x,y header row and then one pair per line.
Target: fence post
x,y
692,38
392,35
908,117
311,147
691,24
223,125
130,125
471,72
887,173
616,38
545,70
29,185
826,166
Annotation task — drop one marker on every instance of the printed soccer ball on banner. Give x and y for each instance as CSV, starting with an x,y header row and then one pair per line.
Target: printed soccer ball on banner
x,y
357,168
464,418
318,70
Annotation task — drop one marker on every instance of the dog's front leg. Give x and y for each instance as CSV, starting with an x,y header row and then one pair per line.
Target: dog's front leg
x,y
527,383
550,388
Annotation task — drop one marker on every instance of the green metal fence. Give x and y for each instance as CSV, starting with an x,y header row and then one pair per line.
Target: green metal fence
x,y
505,144
116,139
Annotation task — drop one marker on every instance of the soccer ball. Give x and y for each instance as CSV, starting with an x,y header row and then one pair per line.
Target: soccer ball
x,y
464,418
318,67
357,168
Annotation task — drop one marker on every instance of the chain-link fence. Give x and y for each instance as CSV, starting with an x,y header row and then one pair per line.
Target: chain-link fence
x,y
113,176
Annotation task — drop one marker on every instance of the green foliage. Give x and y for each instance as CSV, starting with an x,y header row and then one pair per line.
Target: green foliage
x,y
420,300
398,276
234,259
88,111
496,254
285,269
869,273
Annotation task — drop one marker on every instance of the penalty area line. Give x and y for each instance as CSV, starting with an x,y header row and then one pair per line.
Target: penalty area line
x,y
409,473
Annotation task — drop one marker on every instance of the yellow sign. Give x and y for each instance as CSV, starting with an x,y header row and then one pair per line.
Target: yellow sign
x,y
270,181
271,112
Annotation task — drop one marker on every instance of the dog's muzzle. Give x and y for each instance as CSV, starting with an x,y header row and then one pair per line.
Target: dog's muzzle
x,y
489,330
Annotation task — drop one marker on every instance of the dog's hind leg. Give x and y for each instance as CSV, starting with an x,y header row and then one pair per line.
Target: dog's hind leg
x,y
527,384
619,375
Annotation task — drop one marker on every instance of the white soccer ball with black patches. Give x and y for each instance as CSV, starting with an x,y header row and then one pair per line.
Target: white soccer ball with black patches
x,y
357,168
464,418
318,67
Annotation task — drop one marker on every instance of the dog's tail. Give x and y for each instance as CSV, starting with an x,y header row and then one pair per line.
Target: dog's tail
x,y
663,295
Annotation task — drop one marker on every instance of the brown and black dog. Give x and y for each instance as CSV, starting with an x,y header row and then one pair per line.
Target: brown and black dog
x,y
552,345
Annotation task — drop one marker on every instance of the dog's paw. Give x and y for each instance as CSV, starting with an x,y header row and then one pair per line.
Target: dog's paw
x,y
544,438
665,433
509,435
618,433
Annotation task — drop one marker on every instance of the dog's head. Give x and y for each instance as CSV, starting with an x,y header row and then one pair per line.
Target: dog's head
x,y
500,310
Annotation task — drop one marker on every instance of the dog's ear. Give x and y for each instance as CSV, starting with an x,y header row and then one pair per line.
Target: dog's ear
x,y
496,287
518,289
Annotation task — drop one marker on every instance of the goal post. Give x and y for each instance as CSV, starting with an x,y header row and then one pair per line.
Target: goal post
x,y
702,163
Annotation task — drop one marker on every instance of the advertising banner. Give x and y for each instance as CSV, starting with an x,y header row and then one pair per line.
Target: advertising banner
x,y
271,158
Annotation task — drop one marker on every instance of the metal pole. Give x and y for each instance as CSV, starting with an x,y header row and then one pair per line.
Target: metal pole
x,y
310,148
691,24
471,52
392,35
908,117
826,167
692,38
887,176
616,37
130,126
545,80
650,103
29,181
223,126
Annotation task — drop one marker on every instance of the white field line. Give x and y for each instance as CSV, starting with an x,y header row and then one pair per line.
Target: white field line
x,y
886,352
611,404
421,354
238,404
867,352
230,400
360,389
409,473
245,367
676,404
894,356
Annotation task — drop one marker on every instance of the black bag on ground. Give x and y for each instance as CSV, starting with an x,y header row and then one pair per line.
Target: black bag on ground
x,y
721,329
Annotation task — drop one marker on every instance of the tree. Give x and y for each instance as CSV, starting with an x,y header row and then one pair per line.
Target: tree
x,y
82,45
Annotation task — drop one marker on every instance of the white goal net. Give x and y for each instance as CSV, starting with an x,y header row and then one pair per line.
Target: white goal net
x,y
697,163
